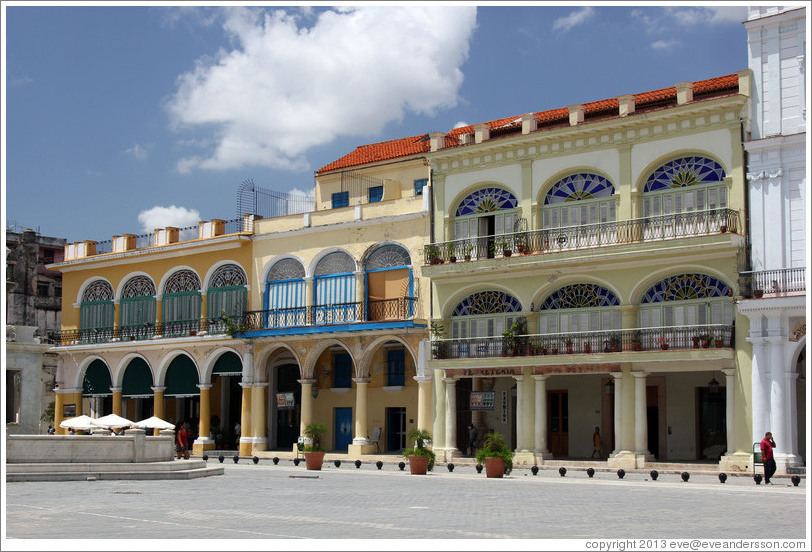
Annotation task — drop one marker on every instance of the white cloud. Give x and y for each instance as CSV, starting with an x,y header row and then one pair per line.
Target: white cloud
x,y
284,89
665,45
161,217
461,124
19,80
138,151
658,21
574,18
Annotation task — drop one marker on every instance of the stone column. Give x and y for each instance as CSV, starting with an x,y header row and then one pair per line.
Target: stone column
x,y
438,422
259,416
306,413
730,411
159,313
423,402
450,416
520,444
117,315
158,405
359,293
618,377
203,442
640,415
246,437
58,417
116,400
792,401
540,432
308,299
778,396
760,389
361,432
204,309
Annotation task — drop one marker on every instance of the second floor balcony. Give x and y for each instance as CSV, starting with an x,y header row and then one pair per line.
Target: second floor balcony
x,y
772,283
138,332
661,339
586,236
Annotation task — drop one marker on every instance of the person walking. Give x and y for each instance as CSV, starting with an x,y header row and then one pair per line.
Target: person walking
x,y
473,432
597,443
767,446
181,441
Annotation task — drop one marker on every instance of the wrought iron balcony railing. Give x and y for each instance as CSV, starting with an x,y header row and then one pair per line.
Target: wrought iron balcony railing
x,y
402,308
136,332
569,238
772,283
717,336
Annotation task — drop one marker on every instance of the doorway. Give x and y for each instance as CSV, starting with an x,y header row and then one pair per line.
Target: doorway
x,y
559,423
343,427
653,421
711,431
395,429
287,413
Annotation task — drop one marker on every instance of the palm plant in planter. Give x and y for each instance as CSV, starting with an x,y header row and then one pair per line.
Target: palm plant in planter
x,y
314,452
495,455
421,459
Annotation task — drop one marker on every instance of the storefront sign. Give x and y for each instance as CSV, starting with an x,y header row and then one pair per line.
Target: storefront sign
x,y
481,372
483,400
284,401
69,410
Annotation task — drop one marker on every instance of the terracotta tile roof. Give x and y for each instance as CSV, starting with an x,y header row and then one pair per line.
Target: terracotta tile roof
x,y
403,147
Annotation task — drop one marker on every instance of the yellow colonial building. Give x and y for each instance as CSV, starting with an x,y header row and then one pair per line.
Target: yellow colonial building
x,y
251,328
584,275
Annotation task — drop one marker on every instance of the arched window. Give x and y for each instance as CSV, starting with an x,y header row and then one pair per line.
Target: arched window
x,y
579,199
285,294
334,296
181,303
686,300
137,307
579,308
692,183
389,283
96,386
485,212
227,293
97,312
484,314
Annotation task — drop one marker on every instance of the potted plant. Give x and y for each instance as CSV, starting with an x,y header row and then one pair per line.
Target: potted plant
x,y
636,344
663,344
587,347
509,340
466,249
437,333
495,455
451,252
421,459
614,343
695,340
521,242
758,293
433,254
505,245
568,343
313,452
718,343
706,340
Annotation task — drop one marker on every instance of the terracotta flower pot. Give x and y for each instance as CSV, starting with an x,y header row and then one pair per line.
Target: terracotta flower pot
x,y
314,460
418,465
494,467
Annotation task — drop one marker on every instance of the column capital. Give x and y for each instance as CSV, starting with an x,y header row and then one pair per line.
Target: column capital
x,y
68,390
450,381
158,389
204,386
639,374
246,384
519,379
116,389
306,381
616,375
422,379
260,385
729,372
361,381
541,377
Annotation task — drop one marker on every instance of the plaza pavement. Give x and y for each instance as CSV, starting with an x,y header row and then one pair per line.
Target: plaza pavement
x,y
267,501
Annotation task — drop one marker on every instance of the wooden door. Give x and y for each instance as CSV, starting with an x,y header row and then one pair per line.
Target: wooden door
x,y
558,436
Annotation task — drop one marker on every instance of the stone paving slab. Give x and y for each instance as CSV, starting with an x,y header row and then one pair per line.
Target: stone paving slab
x,y
265,501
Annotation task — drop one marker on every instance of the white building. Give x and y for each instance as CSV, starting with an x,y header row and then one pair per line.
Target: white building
x,y
773,272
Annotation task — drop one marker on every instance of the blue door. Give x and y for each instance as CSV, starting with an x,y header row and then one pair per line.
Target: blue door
x,y
343,428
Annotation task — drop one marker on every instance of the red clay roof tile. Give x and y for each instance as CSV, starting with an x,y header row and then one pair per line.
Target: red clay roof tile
x,y
403,147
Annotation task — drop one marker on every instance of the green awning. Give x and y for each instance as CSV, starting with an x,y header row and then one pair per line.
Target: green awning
x,y
137,379
97,380
181,378
228,364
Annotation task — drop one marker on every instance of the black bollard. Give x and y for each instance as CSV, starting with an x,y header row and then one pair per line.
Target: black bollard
x,y
590,472
296,461
562,471
757,478
379,464
795,480
479,468
256,460
535,470
654,475
357,463
450,467
337,463
221,458
620,473
685,476
205,457
722,477
275,460
401,465
236,458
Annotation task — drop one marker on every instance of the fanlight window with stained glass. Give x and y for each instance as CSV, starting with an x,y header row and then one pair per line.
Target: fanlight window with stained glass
x,y
227,292
692,183
138,302
686,300
388,256
487,313
182,299
97,310
285,293
579,308
487,211
183,280
577,199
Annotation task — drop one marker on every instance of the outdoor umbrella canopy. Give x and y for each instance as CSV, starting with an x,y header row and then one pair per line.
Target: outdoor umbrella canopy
x,y
110,421
154,422
80,423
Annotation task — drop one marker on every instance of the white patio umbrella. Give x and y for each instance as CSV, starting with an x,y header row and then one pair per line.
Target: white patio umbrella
x,y
154,422
111,421
79,423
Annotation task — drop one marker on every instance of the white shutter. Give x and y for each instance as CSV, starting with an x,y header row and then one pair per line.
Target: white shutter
x,y
668,315
595,320
565,322
700,200
500,224
722,197
616,316
543,323
668,204
461,229
728,319
611,210
712,198
716,313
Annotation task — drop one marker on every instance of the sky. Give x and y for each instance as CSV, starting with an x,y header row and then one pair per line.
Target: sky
x,y
126,119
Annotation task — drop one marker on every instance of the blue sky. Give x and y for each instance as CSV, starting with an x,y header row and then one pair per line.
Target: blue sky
x,y
124,119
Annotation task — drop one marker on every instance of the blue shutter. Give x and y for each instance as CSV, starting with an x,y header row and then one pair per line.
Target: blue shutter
x,y
341,199
396,367
419,185
375,194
